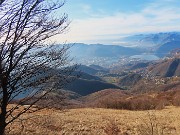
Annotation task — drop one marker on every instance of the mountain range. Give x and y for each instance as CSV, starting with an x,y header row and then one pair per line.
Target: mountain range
x,y
154,40
100,50
158,44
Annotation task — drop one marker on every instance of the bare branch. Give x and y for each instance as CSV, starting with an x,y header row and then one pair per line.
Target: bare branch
x,y
28,65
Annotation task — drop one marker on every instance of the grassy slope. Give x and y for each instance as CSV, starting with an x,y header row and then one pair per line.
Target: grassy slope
x,y
96,121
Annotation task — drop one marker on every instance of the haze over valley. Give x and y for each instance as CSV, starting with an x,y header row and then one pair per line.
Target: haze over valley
x,y
89,67
145,47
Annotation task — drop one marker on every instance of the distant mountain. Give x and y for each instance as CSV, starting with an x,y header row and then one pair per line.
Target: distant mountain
x,y
86,76
85,87
92,69
166,48
99,50
160,43
89,77
152,40
97,67
166,68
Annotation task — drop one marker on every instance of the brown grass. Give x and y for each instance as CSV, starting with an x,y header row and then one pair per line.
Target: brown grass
x,y
97,122
112,128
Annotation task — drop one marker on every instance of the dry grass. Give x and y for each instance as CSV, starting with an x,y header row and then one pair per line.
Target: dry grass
x,y
99,122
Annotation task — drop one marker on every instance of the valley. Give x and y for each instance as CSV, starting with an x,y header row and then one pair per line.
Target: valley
x,y
104,80
113,93
89,67
133,48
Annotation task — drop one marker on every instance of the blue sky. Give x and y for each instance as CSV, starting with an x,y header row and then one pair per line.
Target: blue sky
x,y
107,21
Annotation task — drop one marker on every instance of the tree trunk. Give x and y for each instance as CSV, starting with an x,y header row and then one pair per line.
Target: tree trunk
x,y
2,124
3,106
3,119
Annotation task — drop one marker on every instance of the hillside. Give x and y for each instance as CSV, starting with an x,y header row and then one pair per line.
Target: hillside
x,y
166,68
97,67
118,99
88,82
87,76
92,69
96,98
130,79
85,87
90,121
139,65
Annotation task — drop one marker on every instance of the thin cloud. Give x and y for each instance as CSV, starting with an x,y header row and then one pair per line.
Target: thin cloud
x,y
85,8
156,17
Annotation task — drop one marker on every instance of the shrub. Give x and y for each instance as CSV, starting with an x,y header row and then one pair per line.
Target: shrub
x,y
150,125
135,103
176,100
112,128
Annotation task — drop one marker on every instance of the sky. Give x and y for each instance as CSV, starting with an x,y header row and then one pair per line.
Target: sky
x,y
107,21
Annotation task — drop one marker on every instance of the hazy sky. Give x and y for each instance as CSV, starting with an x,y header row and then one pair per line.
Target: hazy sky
x,y
106,21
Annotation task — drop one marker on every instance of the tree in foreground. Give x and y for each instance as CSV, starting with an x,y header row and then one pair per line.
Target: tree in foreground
x,y
28,65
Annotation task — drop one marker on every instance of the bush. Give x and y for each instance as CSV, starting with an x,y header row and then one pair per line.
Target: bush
x,y
176,100
112,128
135,103
151,125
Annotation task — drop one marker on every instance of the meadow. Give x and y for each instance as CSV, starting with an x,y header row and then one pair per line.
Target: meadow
x,y
98,121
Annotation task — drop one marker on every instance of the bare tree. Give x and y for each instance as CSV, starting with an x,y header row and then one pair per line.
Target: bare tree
x,y
27,64
1,1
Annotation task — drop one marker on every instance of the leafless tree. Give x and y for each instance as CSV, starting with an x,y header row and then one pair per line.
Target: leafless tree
x,y
28,65
1,1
